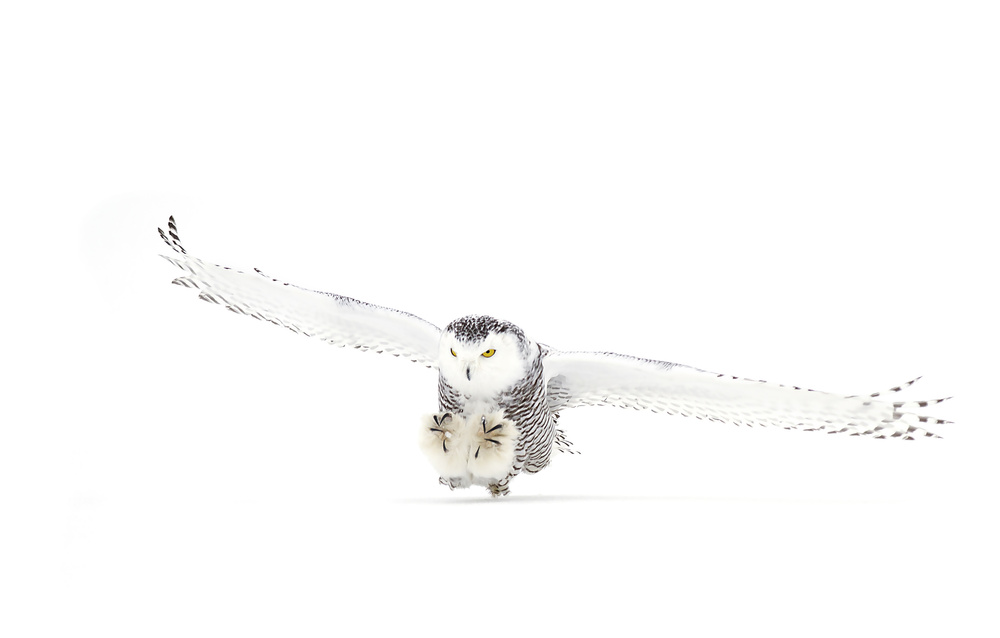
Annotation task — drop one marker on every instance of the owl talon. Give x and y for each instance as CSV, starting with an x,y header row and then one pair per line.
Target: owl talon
x,y
496,427
477,451
443,440
492,446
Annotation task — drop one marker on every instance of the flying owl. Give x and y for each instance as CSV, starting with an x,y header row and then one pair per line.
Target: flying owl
x,y
500,394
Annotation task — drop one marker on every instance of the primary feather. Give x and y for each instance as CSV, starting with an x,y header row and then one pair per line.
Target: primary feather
x,y
333,318
595,378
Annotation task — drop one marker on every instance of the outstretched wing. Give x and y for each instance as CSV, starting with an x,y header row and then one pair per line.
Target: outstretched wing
x,y
333,318
598,378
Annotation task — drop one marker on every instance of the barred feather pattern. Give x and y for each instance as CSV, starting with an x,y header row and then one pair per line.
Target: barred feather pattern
x,y
525,404
597,378
336,319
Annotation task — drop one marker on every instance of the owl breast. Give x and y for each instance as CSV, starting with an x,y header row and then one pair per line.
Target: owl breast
x,y
523,402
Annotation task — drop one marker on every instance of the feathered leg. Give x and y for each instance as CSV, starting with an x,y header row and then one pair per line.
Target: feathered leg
x,y
444,440
493,441
475,450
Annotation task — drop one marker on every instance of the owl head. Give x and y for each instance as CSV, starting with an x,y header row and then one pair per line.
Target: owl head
x,y
482,356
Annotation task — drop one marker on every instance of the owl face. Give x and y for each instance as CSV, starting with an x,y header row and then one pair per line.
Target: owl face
x,y
481,356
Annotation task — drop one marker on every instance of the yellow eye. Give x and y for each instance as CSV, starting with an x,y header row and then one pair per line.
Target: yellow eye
x,y
489,353
453,353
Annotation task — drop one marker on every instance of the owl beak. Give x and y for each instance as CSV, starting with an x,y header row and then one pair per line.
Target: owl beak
x,y
468,372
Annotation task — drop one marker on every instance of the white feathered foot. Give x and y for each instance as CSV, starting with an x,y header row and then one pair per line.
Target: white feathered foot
x,y
478,450
444,440
493,441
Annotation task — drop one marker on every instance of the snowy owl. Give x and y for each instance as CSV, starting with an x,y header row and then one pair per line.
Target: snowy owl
x,y
500,394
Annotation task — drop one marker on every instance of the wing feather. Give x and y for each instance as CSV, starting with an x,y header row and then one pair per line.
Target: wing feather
x,y
333,318
597,378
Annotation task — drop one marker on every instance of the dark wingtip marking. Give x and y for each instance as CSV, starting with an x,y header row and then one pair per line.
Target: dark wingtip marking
x,y
170,237
184,281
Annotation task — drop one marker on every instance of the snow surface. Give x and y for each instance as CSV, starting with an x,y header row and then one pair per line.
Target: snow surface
x,y
768,190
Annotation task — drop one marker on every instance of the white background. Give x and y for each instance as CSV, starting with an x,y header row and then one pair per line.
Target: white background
x,y
804,195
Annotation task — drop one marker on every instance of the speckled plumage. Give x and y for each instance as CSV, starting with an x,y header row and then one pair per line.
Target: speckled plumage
x,y
500,394
524,403
475,328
